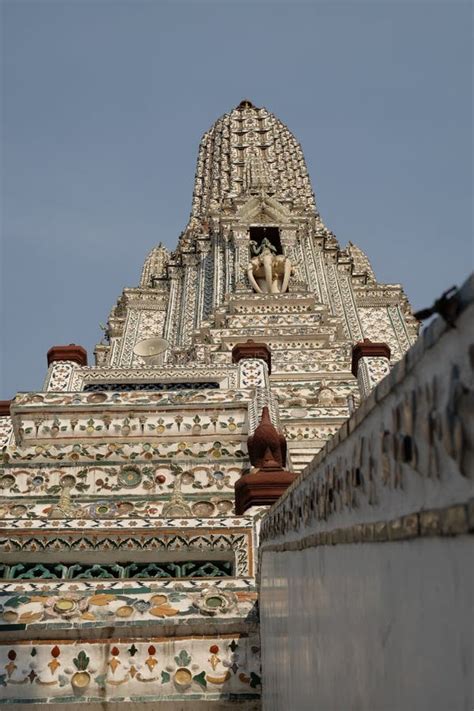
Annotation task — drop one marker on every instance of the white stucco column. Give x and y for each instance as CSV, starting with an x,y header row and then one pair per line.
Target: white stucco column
x,y
370,364
62,361
254,360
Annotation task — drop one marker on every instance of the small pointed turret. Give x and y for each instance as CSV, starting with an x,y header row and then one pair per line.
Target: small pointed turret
x,y
267,446
267,452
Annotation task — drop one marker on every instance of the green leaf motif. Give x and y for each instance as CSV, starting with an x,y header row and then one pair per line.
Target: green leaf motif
x,y
165,677
55,489
81,662
16,601
183,659
201,680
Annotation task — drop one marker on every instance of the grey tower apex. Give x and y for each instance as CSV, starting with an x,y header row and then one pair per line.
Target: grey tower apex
x,y
246,104
246,151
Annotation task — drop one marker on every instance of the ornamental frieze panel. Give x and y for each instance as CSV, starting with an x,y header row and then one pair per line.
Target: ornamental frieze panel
x,y
308,433
93,401
116,427
232,541
101,516
209,501
140,451
316,391
120,483
169,604
379,295
287,365
82,376
87,585
204,667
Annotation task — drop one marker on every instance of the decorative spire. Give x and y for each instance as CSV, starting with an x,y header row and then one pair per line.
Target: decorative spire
x,y
362,263
267,452
247,149
267,446
245,104
155,266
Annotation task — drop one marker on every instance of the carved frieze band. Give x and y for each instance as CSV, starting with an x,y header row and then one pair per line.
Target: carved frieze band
x,y
449,521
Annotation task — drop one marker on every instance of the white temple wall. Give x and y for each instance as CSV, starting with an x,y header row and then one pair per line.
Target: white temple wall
x,y
366,570
381,627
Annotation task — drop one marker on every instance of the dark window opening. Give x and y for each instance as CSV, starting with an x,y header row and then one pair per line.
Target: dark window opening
x,y
129,387
118,571
257,234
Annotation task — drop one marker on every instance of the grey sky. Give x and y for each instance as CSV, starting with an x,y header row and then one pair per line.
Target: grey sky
x,y
104,104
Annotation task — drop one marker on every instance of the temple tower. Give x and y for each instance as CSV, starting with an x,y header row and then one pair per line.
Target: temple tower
x,y
128,571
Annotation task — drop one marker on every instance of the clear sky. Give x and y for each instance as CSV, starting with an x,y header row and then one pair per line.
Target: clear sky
x,y
104,103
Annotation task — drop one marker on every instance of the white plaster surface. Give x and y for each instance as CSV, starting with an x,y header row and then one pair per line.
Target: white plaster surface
x,y
380,626
369,627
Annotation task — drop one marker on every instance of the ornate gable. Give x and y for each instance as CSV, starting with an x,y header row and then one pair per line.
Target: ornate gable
x,y
263,210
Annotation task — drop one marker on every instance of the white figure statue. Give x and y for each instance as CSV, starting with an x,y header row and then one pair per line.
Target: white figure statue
x,y
272,270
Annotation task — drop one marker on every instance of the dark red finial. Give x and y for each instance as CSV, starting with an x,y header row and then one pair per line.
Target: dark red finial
x,y
267,453
267,446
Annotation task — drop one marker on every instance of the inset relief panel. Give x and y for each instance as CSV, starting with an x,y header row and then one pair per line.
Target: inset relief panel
x,y
146,349
378,327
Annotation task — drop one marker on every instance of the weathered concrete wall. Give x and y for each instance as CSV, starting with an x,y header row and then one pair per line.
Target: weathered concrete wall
x,y
366,577
383,627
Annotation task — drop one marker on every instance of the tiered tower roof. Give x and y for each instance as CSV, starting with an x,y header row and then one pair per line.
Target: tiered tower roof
x,y
248,150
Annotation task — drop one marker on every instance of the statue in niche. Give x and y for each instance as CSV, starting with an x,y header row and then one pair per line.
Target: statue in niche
x,y
267,271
